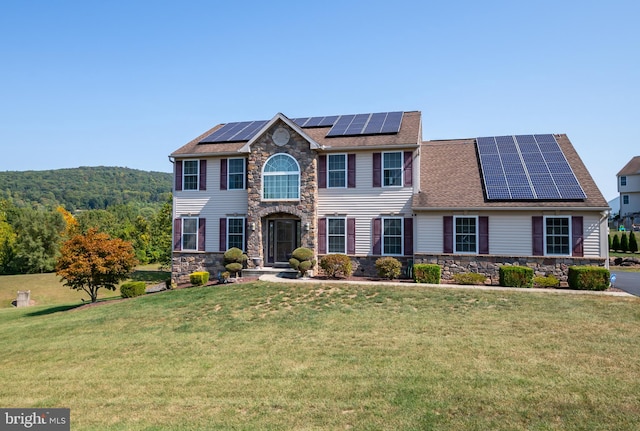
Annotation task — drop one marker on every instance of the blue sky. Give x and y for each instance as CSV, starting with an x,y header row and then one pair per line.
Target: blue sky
x,y
124,83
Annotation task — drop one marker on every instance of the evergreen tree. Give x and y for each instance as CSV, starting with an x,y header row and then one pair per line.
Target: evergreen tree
x,y
633,245
615,244
624,243
38,237
609,238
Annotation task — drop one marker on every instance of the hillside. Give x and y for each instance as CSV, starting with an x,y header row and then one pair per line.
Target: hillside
x,y
85,187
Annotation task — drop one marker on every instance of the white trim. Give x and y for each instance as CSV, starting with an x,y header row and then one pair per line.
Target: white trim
x,y
455,234
382,184
244,172
197,175
346,170
297,199
182,232
382,252
544,235
344,219
244,232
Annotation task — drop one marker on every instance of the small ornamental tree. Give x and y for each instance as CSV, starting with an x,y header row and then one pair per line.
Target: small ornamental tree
x,y
624,243
94,260
633,243
234,260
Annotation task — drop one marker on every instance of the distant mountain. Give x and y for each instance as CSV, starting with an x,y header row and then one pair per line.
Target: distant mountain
x,y
85,187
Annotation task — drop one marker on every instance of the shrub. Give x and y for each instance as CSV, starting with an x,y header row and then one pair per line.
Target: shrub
x,y
199,278
132,289
588,278
633,244
624,243
426,273
610,244
388,267
516,276
302,260
335,265
615,244
469,278
234,260
548,281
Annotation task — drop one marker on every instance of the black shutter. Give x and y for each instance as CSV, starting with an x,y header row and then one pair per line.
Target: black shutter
x,y
408,168
203,175
178,178
202,234
351,171
447,234
484,235
322,236
322,171
377,236
223,174
408,236
223,235
177,234
377,169
537,235
577,235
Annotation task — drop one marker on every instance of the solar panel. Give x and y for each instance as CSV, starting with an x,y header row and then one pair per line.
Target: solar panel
x,y
367,124
526,167
235,132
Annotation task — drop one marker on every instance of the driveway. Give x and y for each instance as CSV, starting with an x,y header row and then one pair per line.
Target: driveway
x,y
627,281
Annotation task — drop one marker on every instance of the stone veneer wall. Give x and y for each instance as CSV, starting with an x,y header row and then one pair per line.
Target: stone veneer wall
x,y
305,208
183,264
452,264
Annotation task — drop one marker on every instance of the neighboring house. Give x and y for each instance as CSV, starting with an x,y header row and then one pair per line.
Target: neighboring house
x,y
367,186
629,189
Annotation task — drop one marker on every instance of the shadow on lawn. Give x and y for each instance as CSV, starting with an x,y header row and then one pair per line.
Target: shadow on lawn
x,y
54,309
150,276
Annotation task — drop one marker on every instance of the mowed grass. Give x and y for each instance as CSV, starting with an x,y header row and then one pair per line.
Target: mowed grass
x,y
307,356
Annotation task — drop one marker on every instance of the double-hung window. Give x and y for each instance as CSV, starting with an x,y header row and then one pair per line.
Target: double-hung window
x,y
466,234
236,174
625,199
336,235
337,170
190,174
392,169
557,236
235,232
392,236
623,181
281,178
189,233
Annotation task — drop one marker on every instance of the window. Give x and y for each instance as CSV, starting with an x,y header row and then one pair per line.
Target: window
x,y
190,175
236,174
466,234
235,233
392,236
337,170
557,236
336,235
189,233
392,169
625,199
281,176
623,181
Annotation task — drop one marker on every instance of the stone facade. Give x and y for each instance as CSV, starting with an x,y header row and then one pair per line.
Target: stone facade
x,y
259,210
183,264
452,264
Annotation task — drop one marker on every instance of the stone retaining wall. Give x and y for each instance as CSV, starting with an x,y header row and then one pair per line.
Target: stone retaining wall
x,y
452,264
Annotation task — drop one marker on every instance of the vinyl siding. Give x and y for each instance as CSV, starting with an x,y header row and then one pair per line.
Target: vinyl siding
x,y
211,204
365,202
509,233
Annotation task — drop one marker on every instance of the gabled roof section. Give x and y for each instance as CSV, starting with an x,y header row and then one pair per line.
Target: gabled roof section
x,y
631,168
224,139
450,177
277,118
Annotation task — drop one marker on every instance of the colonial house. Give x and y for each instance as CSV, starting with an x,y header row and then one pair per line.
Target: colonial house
x,y
629,189
366,185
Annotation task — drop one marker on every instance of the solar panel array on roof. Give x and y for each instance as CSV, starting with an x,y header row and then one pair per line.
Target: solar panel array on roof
x,y
526,167
341,125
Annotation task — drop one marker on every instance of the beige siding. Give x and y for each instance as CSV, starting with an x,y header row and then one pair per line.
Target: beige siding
x,y
428,228
592,244
211,204
510,234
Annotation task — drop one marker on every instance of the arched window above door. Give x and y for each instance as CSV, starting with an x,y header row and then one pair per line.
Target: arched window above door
x,y
281,178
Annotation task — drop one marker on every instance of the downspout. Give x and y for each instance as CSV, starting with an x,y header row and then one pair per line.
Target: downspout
x,y
603,218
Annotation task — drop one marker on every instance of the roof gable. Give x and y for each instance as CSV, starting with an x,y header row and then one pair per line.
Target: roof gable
x,y
631,168
279,117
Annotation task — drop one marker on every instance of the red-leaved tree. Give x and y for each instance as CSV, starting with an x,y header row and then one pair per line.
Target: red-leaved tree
x,y
94,260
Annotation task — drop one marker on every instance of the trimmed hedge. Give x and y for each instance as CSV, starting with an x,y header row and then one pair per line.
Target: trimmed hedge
x,y
388,267
199,278
588,278
132,289
302,260
335,265
548,281
516,276
470,278
426,273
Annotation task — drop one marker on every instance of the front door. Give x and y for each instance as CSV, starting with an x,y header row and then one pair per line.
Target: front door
x,y
284,237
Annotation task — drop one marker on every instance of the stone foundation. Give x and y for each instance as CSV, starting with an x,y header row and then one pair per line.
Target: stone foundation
x,y
183,264
365,266
452,264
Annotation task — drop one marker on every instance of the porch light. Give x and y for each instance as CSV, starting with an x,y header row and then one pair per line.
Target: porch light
x,y
306,226
253,226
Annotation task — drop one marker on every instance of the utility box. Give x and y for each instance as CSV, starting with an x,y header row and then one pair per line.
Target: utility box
x,y
23,299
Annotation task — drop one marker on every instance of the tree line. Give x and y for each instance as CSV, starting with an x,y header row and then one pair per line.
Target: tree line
x,y
36,218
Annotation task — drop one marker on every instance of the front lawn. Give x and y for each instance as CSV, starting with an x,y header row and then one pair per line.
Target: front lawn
x,y
327,357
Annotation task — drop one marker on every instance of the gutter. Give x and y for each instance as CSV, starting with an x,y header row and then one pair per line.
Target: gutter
x,y
536,208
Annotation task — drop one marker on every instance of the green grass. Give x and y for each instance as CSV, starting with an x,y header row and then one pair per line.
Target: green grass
x,y
47,289
262,356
